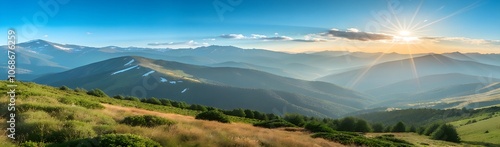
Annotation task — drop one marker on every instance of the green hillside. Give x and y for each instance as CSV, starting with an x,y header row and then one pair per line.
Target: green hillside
x,y
49,116
482,129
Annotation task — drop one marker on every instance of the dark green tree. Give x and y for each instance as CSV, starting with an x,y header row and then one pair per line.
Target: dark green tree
x,y
97,92
362,126
431,129
378,127
120,97
399,127
388,128
295,119
249,114
153,100
238,112
213,115
348,124
64,88
315,126
413,129
165,102
446,132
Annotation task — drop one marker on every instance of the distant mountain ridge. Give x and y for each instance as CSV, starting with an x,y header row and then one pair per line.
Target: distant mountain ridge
x,y
49,54
370,77
217,86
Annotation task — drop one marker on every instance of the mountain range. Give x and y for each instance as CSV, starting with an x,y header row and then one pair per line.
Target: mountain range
x,y
224,87
326,83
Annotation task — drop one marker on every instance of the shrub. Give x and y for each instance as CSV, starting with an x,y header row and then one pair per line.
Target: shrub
x,y
39,131
317,127
348,124
378,127
431,129
64,88
249,114
362,126
198,107
122,140
82,90
97,92
447,133
165,102
237,112
181,105
295,119
104,129
120,97
75,130
81,102
213,115
29,144
347,138
132,98
399,127
275,123
146,121
391,138
153,101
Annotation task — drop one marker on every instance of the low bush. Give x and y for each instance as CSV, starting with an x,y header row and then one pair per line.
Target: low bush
x,y
97,92
347,138
275,123
72,130
81,102
39,131
111,140
78,89
131,98
391,138
146,121
446,132
214,116
120,97
64,88
318,127
153,101
122,140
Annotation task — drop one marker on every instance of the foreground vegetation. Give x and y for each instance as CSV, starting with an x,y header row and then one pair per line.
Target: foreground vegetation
x,y
62,116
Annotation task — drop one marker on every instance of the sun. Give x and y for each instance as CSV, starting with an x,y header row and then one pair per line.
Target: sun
x,y
405,36
404,33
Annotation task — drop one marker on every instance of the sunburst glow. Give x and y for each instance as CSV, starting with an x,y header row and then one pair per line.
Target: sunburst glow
x,y
404,33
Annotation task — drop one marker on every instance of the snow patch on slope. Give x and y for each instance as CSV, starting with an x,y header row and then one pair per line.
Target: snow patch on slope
x,y
129,62
163,80
185,89
124,70
62,48
148,73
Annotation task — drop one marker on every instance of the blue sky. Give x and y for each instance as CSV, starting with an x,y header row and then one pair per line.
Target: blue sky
x,y
286,25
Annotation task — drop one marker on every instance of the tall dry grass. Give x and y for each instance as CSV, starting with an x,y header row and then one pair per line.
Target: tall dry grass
x,y
191,132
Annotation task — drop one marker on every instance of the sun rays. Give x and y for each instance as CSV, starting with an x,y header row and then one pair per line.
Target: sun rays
x,y
407,34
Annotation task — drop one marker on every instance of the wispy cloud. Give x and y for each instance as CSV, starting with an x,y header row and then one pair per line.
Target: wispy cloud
x,y
186,43
462,40
307,38
209,39
233,36
355,34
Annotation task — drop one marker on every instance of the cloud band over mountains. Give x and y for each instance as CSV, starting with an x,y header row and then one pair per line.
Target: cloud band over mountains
x,y
357,35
